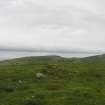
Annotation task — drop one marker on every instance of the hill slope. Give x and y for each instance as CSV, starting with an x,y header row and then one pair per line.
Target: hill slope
x,y
94,59
32,59
54,58
66,82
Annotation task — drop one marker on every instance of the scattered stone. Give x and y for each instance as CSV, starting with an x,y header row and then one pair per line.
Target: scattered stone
x,y
20,81
40,76
33,96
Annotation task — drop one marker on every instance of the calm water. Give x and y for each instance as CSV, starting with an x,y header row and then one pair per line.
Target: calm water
x,y
14,54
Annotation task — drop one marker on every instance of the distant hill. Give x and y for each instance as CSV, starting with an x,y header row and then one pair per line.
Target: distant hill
x,y
54,58
33,59
94,59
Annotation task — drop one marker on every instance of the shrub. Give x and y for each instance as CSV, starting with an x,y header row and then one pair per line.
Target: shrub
x,y
37,100
31,102
55,87
7,89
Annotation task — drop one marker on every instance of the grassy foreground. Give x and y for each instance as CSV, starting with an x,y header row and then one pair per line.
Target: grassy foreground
x,y
67,82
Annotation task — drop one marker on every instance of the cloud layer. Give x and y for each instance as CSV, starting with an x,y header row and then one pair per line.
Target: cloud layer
x,y
53,25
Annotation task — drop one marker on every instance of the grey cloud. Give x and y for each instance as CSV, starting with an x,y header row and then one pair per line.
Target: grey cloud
x,y
33,14
40,14
52,50
52,26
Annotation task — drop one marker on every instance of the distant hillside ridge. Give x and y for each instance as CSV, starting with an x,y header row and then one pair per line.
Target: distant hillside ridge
x,y
94,59
54,58
33,59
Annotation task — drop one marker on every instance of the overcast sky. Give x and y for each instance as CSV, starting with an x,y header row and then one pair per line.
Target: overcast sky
x,y
52,25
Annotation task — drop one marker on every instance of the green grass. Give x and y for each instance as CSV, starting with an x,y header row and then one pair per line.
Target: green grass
x,y
67,82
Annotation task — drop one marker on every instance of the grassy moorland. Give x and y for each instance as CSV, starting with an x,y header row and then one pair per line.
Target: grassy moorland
x,y
67,81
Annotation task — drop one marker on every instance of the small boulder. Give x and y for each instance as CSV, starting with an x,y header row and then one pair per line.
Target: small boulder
x,y
40,76
20,81
33,97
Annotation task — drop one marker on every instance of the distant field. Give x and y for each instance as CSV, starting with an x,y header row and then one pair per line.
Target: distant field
x,y
67,81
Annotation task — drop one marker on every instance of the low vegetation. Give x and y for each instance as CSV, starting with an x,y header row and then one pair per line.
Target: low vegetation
x,y
63,82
